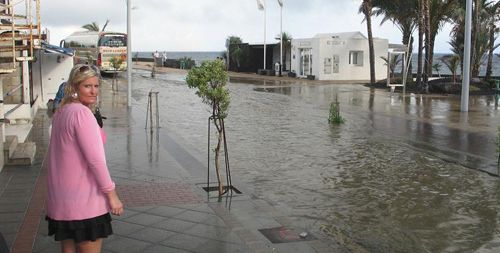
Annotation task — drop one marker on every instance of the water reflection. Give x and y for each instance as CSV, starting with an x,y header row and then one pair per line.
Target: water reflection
x,y
391,179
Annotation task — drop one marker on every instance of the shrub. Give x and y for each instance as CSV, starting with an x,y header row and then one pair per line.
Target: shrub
x,y
335,117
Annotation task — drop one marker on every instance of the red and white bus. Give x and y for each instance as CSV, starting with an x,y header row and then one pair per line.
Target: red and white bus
x,y
98,48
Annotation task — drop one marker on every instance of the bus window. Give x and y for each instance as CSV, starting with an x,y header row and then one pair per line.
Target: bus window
x,y
113,41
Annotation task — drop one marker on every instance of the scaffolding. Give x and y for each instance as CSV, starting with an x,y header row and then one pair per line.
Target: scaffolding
x,y
20,32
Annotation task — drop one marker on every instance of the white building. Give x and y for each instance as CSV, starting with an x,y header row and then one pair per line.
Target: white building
x,y
338,56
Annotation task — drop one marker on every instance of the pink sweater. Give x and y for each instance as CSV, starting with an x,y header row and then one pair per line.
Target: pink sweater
x,y
78,177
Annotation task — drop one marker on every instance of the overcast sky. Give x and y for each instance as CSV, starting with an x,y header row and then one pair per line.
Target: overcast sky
x,y
204,25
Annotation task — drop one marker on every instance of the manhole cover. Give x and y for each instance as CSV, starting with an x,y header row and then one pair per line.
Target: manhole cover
x,y
283,234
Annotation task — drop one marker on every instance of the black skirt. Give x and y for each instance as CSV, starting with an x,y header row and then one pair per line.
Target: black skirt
x,y
81,230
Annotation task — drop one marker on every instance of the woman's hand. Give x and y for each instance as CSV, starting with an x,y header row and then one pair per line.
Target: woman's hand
x,y
115,203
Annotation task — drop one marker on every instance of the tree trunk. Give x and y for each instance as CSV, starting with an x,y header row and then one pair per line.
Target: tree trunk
x,y
474,36
283,68
490,53
427,30
220,136
431,52
367,9
408,41
420,43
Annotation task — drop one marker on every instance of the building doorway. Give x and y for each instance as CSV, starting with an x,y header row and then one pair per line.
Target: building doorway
x,y
305,62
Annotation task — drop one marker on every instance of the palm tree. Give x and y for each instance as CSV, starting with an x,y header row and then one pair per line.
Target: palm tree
x,y
452,62
105,24
392,63
481,41
427,42
420,42
403,14
94,27
437,67
457,47
494,16
233,54
287,44
432,15
366,9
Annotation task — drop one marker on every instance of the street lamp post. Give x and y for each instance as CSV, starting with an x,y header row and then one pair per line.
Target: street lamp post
x,y
129,53
464,99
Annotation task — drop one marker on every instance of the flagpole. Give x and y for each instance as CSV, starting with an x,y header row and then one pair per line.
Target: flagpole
x,y
264,38
281,38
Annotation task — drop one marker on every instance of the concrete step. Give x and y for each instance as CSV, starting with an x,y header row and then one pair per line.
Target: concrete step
x,y
9,146
24,154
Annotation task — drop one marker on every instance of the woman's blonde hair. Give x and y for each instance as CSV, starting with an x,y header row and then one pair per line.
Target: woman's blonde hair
x,y
78,74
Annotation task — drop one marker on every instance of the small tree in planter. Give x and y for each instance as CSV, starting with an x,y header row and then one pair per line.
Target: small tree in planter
x,y
210,79
334,116
115,63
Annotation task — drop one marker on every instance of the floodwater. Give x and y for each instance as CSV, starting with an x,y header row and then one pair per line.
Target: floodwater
x,y
402,174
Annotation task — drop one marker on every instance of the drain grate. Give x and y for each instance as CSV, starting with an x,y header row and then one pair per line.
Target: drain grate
x,y
284,235
215,188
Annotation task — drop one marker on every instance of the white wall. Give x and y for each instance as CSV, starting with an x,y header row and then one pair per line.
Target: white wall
x,y
328,47
49,71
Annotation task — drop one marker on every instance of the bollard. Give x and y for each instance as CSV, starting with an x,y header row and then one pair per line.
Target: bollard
x,y
152,113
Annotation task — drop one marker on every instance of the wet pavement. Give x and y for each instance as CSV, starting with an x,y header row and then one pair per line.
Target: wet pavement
x,y
403,174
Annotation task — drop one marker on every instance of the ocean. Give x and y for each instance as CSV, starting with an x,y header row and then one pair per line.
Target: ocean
x,y
199,57
443,70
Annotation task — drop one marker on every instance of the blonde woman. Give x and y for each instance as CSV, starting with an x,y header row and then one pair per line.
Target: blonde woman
x,y
80,192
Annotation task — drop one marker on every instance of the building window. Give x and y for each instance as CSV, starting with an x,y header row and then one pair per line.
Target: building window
x,y
327,65
356,58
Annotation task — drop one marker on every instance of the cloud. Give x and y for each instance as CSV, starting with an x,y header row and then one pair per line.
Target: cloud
x,y
204,25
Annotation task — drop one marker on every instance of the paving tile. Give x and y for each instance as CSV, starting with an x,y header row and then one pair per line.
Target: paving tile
x,y
201,217
174,225
220,247
11,217
48,250
185,242
145,219
11,200
9,238
165,249
43,227
44,243
128,245
152,235
126,214
166,211
207,231
197,207
17,194
125,228
10,227
293,247
140,208
13,207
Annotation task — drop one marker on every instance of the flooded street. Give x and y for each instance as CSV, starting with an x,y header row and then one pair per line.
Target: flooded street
x,y
402,174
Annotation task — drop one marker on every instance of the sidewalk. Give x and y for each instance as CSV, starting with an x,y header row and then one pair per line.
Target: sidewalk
x,y
160,182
